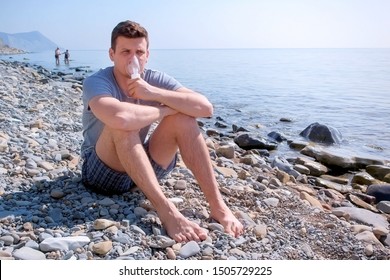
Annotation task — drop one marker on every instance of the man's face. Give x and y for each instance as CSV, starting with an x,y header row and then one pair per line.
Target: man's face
x,y
125,50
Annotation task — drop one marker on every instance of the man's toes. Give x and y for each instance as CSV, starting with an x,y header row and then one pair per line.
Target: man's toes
x,y
179,238
201,233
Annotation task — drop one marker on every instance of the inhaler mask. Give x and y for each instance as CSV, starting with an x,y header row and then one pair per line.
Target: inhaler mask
x,y
133,68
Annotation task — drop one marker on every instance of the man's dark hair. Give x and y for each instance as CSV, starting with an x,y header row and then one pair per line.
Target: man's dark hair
x,y
128,29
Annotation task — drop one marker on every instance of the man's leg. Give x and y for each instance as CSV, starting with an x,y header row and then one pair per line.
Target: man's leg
x,y
181,131
124,152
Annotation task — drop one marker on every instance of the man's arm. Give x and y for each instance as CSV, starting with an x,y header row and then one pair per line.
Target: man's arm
x,y
187,102
124,115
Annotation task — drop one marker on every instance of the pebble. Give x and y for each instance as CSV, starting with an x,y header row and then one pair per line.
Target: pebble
x,y
27,253
189,249
102,248
63,243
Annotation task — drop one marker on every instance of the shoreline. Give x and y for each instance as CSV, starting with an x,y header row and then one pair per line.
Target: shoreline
x,y
5,50
360,134
292,209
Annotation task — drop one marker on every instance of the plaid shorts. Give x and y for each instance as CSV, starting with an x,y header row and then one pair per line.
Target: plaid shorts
x,y
100,178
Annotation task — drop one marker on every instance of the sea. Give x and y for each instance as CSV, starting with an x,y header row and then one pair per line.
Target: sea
x,y
348,89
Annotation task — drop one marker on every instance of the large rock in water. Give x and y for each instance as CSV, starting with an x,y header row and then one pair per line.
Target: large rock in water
x,y
321,133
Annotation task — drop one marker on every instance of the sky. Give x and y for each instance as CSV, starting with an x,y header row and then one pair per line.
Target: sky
x,y
193,24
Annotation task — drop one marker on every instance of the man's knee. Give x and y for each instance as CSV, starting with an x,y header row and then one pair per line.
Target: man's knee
x,y
118,136
182,121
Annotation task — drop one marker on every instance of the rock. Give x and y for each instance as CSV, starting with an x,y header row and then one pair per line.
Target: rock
x,y
106,202
248,142
216,226
384,206
26,253
378,171
341,158
331,185
171,254
102,248
357,201
180,185
313,201
7,239
298,145
321,133
161,242
226,151
282,164
315,168
365,216
63,243
226,172
276,136
131,251
363,178
57,193
379,191
190,249
368,237
260,231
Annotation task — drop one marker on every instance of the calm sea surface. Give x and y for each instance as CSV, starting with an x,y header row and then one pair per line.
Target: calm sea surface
x,y
348,89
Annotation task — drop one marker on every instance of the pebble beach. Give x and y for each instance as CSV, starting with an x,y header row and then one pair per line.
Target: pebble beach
x,y
292,210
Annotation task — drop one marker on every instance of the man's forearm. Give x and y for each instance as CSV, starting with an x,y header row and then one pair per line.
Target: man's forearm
x,y
186,102
139,116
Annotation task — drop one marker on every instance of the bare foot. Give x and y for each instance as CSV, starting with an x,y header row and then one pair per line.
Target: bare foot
x,y
180,228
226,218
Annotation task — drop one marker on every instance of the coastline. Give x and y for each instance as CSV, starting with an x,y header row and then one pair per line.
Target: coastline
x,y
5,50
291,209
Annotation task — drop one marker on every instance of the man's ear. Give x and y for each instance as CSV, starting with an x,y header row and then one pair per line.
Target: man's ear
x,y
111,54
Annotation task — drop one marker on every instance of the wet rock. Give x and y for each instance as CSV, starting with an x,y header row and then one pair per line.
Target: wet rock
x,y
321,133
277,136
378,171
248,142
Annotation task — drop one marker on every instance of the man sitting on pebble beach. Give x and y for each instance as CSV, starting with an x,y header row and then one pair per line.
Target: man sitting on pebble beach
x,y
117,152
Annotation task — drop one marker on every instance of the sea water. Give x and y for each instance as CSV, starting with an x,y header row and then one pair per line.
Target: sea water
x,y
348,89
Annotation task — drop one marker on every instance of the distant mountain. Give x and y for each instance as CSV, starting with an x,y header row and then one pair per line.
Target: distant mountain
x,y
28,41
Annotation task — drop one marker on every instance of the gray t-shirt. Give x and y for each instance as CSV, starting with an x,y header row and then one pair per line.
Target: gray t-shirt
x,y
102,83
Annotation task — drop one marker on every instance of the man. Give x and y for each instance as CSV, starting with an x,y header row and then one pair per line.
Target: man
x,y
57,54
66,57
118,112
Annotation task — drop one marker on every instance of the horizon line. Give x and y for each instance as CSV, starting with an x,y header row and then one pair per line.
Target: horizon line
x,y
254,48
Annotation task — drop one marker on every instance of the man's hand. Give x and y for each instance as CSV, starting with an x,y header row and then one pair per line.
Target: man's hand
x,y
140,89
187,101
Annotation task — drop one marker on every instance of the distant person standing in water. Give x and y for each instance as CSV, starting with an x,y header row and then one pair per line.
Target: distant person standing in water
x,y
66,58
57,54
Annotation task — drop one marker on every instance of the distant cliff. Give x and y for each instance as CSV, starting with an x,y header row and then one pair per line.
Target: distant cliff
x,y
29,41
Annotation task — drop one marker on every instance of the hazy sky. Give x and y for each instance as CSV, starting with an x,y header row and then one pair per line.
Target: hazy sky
x,y
78,24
